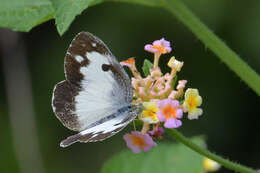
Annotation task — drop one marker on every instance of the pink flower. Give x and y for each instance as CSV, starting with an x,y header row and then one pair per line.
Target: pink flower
x,y
137,141
141,92
168,77
155,73
159,46
181,84
170,113
173,95
135,82
156,133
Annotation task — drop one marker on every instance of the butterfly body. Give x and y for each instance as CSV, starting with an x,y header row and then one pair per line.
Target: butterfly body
x,y
95,99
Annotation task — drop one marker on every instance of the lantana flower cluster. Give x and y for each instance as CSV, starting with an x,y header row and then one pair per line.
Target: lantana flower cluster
x,y
165,100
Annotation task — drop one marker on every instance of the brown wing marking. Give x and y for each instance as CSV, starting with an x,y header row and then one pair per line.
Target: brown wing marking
x,y
64,104
84,42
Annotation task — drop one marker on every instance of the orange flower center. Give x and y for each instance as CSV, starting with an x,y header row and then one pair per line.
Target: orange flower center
x,y
160,48
192,102
138,141
169,111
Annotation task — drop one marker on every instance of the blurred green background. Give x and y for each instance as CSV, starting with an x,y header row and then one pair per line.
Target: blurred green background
x,y
231,113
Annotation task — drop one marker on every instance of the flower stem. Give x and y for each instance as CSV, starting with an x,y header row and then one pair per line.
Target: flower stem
x,y
226,163
213,42
156,60
145,128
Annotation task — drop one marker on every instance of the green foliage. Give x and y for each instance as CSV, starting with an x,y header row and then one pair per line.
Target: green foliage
x,y
146,67
201,150
167,158
67,10
152,3
23,15
213,42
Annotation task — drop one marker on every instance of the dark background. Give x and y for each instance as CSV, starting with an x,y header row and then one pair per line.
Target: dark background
x,y
231,109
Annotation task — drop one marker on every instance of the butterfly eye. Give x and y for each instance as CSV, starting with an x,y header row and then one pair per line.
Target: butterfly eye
x,y
106,67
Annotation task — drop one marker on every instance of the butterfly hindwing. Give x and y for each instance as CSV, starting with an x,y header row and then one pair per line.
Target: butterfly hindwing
x,y
64,104
103,130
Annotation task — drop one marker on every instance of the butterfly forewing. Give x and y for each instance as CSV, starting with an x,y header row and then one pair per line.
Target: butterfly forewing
x,y
96,85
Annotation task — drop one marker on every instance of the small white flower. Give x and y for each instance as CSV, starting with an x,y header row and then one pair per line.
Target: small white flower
x,y
210,165
175,64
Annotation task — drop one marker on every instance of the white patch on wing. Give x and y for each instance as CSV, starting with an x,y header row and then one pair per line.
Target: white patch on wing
x,y
53,107
79,58
105,127
101,95
94,44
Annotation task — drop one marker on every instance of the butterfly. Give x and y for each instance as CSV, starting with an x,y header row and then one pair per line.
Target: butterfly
x,y
95,99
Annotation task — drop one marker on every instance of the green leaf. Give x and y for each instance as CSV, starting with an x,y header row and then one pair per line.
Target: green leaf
x,y
23,15
96,2
67,10
166,158
146,67
152,3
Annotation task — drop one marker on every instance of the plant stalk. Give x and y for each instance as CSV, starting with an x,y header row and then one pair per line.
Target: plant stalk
x,y
226,163
214,43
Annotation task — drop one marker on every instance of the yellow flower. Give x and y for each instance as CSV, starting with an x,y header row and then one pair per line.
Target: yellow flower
x,y
149,113
191,102
210,165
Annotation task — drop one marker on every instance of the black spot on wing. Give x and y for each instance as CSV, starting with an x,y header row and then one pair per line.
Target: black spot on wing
x,y
105,67
121,78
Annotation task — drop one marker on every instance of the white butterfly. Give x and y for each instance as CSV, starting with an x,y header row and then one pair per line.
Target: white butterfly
x,y
95,99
